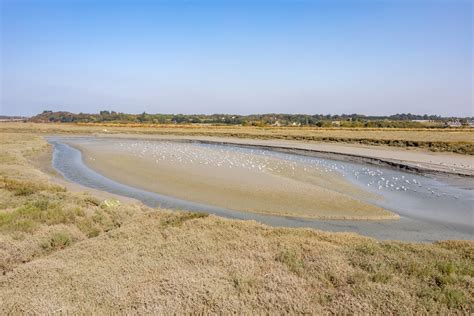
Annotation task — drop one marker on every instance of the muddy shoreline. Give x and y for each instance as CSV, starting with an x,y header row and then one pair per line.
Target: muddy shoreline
x,y
301,148
237,188
406,228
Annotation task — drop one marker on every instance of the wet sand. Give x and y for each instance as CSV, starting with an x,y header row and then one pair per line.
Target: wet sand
x,y
429,210
418,160
239,182
43,162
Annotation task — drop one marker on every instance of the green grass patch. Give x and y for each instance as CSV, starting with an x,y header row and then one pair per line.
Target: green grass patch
x,y
57,241
291,260
26,188
27,217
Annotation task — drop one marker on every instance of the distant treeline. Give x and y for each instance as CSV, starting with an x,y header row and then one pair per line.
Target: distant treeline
x,y
320,120
12,118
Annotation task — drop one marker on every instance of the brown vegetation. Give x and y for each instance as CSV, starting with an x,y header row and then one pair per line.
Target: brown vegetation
x,y
446,140
67,252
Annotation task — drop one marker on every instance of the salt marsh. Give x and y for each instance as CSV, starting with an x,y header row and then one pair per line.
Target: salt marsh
x,y
277,188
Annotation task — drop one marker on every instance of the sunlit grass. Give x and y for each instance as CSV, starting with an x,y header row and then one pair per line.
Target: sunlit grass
x,y
57,245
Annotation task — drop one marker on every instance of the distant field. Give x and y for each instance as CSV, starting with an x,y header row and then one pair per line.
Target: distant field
x,y
72,252
447,140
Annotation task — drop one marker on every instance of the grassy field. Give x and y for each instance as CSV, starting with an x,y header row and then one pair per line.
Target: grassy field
x,y
447,140
72,252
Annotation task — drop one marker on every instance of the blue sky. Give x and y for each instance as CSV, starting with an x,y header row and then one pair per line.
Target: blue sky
x,y
369,57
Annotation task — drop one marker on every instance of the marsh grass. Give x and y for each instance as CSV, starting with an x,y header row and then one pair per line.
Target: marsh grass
x,y
57,241
178,220
67,252
32,206
435,274
440,140
292,260
25,188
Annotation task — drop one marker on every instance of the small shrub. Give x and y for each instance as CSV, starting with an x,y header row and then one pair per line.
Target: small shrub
x,y
367,249
26,188
333,278
23,225
12,222
242,284
446,268
88,227
442,280
98,217
27,217
416,269
79,212
291,260
381,277
356,278
93,232
178,220
20,188
57,241
454,298
90,200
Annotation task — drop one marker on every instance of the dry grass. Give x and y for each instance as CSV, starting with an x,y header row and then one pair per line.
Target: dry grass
x,y
446,140
33,211
157,261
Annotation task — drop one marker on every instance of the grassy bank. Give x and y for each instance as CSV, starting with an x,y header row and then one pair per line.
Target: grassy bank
x,y
72,252
443,140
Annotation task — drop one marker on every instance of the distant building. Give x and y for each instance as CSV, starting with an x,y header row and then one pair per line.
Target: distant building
x,y
422,121
336,123
455,123
470,123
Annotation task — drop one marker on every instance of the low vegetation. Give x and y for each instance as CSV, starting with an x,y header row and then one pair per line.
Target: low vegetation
x,y
38,216
32,210
68,252
442,140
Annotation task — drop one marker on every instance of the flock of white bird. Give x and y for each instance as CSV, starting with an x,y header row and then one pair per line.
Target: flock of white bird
x,y
259,160
209,155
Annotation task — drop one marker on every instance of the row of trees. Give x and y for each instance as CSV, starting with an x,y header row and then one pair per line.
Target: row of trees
x,y
344,120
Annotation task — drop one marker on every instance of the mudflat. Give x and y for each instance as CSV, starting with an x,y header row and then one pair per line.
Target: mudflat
x,y
421,159
242,182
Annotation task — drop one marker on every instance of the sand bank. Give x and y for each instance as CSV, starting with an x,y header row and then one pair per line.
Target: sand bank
x,y
240,182
417,160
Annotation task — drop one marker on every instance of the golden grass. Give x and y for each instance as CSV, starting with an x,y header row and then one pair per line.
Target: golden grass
x,y
446,140
34,211
158,261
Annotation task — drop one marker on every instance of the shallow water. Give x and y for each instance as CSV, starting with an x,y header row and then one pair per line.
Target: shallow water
x,y
430,209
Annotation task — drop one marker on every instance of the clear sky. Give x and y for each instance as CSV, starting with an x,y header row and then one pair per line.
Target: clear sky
x,y
359,56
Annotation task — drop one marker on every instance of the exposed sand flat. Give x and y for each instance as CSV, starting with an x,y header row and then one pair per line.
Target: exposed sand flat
x,y
418,159
263,185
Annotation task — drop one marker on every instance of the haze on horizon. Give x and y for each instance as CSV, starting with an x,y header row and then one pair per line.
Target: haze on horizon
x,y
238,57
